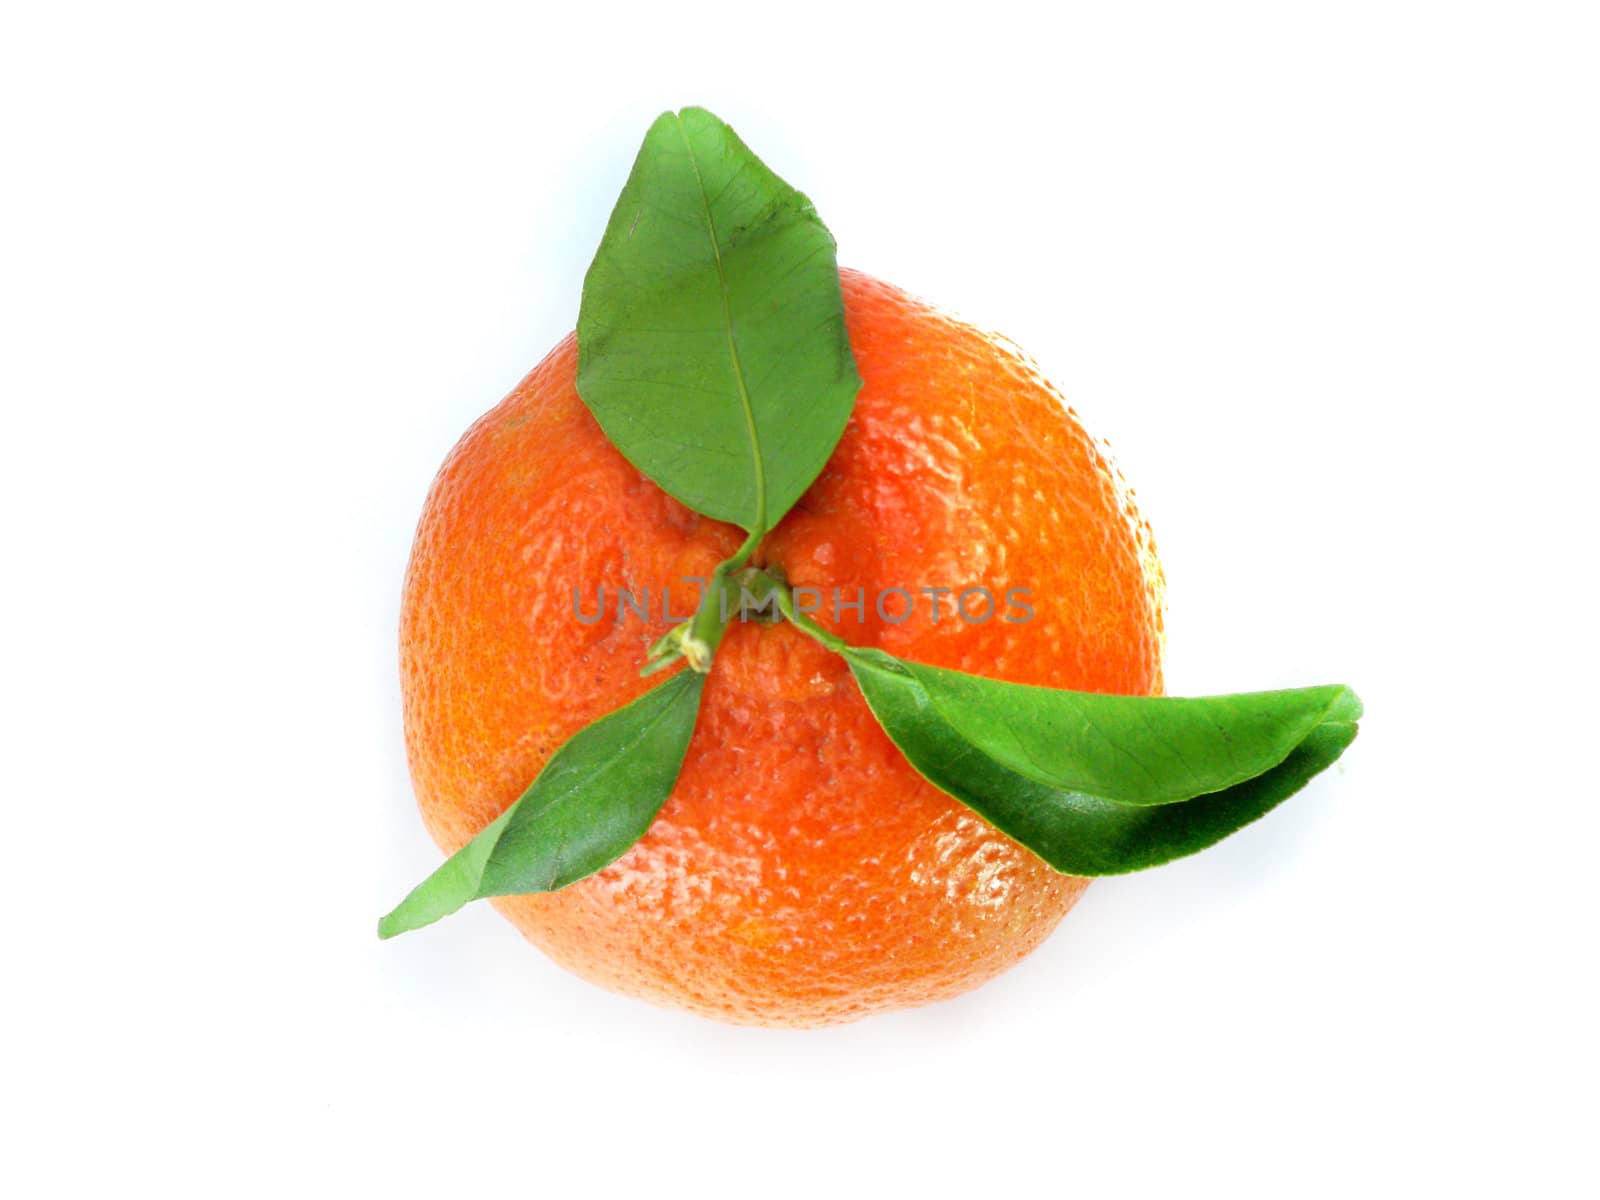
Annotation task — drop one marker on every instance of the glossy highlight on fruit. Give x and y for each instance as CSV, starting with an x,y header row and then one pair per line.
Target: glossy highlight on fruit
x,y
801,872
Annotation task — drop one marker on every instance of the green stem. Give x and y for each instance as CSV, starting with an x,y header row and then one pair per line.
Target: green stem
x,y
805,624
743,553
697,638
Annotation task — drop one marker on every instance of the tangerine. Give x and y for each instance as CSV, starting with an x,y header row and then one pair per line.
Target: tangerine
x,y
801,872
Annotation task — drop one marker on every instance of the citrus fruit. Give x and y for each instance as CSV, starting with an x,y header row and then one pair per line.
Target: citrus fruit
x,y
801,872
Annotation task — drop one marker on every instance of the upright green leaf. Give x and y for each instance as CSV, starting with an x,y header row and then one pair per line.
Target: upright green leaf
x,y
1100,785
595,798
711,337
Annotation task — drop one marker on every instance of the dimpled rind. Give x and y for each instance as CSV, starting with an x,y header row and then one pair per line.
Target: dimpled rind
x,y
801,873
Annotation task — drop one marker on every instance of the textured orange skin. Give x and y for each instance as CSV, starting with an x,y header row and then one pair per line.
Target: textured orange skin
x,y
801,873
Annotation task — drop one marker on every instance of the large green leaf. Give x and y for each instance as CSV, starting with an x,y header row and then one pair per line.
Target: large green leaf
x,y
711,337
1127,749
595,798
1100,785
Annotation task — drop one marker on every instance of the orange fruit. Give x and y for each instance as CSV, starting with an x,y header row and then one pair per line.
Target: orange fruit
x,y
801,872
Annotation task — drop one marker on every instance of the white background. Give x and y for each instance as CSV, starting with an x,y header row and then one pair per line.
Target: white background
x,y
1325,276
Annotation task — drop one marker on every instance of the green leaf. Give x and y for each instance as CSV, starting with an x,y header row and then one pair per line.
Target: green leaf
x,y
1100,785
594,799
711,338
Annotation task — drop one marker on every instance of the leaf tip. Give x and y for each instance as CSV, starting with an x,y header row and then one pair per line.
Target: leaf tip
x,y
409,915
696,112
1346,708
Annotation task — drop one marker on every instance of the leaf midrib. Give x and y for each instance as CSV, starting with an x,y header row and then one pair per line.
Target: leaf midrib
x,y
759,525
